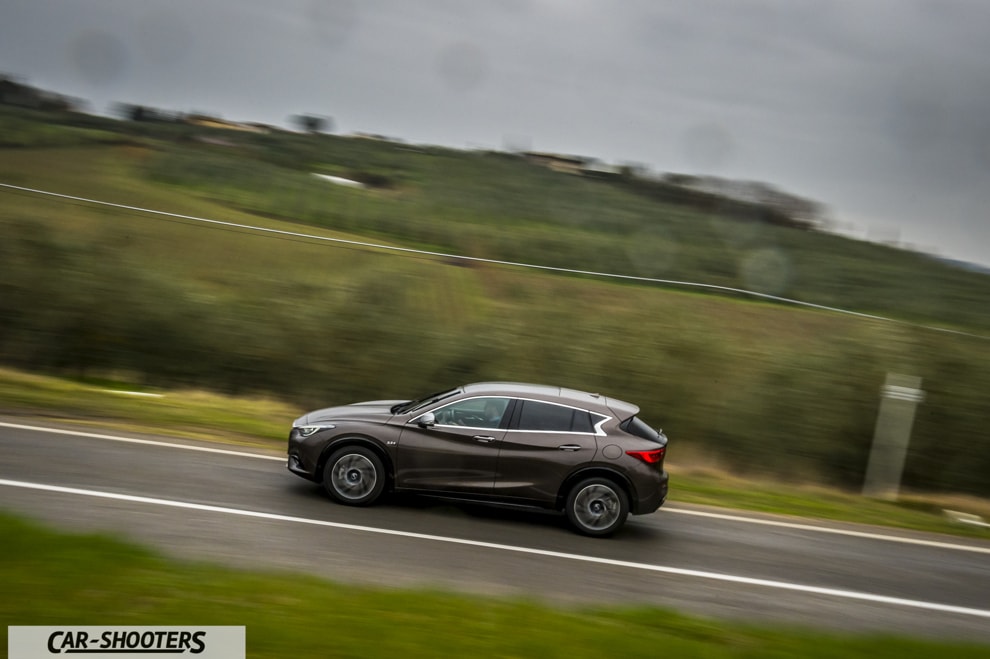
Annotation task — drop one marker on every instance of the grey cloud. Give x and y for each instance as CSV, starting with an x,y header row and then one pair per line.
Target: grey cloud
x,y
878,109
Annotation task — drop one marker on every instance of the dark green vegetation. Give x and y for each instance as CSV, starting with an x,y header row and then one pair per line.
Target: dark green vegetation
x,y
96,291
53,578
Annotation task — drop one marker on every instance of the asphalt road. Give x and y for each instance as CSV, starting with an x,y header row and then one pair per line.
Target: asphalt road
x,y
242,508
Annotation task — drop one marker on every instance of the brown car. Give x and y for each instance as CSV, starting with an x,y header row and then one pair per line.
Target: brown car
x,y
585,454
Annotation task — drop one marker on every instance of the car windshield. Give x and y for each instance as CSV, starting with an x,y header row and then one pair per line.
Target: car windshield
x,y
413,405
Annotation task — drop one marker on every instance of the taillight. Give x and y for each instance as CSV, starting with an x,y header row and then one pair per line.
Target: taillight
x,y
650,457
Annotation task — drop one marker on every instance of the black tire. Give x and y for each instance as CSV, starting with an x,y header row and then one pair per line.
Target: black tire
x,y
354,475
597,507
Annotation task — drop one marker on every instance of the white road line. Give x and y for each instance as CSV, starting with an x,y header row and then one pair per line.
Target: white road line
x,y
134,440
766,583
824,529
667,509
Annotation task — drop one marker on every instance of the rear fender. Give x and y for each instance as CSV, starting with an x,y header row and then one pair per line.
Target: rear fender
x,y
589,472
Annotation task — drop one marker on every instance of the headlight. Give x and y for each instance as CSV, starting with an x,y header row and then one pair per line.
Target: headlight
x,y
306,431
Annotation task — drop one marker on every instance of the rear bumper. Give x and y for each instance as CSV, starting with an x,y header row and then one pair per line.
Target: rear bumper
x,y
652,499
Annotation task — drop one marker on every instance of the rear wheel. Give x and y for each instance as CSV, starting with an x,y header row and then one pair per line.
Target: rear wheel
x,y
354,475
597,507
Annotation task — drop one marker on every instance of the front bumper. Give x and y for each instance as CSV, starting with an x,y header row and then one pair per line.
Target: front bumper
x,y
299,460
296,467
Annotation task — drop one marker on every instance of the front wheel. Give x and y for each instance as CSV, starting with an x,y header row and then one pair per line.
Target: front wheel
x,y
597,507
354,475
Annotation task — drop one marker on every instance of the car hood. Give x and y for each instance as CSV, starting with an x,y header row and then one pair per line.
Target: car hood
x,y
372,410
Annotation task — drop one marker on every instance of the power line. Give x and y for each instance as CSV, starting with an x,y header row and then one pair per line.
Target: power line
x,y
474,259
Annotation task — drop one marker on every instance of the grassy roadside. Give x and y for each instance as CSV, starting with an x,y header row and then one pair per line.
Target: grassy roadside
x,y
262,422
53,578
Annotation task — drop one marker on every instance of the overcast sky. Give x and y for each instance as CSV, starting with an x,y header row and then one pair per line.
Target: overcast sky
x,y
880,109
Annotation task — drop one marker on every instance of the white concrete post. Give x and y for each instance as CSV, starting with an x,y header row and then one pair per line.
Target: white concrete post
x,y
900,396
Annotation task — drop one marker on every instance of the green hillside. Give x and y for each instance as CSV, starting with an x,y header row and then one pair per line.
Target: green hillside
x,y
759,386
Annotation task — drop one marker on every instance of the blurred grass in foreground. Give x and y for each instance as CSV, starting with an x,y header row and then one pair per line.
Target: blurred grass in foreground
x,y
261,422
55,578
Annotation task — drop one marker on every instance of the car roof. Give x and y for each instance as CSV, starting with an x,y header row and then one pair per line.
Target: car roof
x,y
590,401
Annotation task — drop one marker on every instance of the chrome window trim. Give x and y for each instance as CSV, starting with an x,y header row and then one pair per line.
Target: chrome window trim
x,y
461,400
560,432
597,429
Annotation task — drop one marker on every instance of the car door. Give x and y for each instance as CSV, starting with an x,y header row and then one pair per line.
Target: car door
x,y
543,444
458,451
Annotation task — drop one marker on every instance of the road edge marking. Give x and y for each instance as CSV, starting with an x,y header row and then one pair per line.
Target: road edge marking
x,y
825,529
135,440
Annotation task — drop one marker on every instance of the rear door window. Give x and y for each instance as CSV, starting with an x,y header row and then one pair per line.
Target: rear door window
x,y
547,417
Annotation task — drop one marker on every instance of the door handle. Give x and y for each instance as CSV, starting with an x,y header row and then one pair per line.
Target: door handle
x,y
569,447
484,438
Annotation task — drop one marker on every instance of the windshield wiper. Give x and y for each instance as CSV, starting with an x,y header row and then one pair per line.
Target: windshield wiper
x,y
398,408
414,405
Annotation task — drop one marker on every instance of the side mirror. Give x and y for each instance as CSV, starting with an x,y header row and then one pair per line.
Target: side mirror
x,y
427,420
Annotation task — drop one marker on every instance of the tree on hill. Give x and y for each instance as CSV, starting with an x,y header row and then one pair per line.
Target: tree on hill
x,y
311,123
